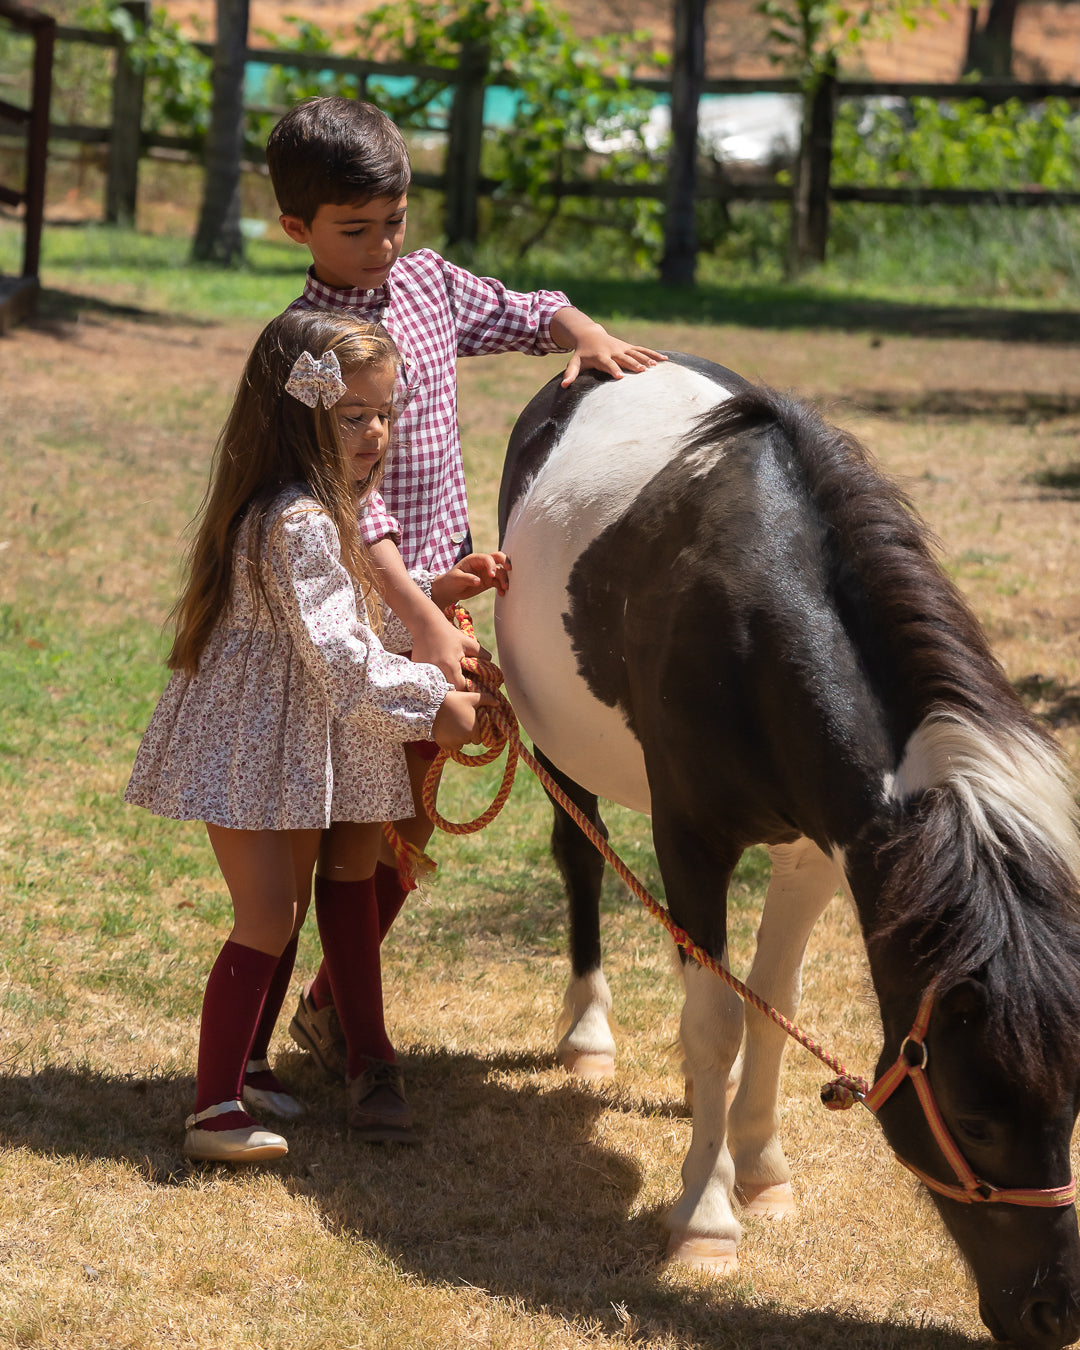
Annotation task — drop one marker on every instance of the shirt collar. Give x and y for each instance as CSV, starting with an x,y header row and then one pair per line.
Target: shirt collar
x,y
322,296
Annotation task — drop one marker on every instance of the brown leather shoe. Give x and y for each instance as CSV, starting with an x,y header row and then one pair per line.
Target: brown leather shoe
x,y
378,1110
318,1031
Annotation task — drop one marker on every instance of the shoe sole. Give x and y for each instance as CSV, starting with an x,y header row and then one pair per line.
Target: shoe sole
x,y
253,1155
300,1035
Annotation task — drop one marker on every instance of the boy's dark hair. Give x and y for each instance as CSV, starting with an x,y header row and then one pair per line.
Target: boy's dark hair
x,y
336,151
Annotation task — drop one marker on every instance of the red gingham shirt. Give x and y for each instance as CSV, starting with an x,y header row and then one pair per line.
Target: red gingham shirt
x,y
435,312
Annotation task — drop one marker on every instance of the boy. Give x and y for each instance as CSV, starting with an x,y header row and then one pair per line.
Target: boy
x,y
340,170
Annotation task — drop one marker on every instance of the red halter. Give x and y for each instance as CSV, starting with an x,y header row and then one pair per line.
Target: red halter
x,y
971,1189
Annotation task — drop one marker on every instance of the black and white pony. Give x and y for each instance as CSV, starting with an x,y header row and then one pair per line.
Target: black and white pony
x,y
723,615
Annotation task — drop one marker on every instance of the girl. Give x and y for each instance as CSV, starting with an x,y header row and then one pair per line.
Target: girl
x,y
285,711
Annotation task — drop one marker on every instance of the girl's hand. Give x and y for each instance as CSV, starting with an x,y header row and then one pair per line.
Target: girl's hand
x,y
476,572
442,644
456,722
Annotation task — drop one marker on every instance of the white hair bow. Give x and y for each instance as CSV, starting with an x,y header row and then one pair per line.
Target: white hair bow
x,y
311,379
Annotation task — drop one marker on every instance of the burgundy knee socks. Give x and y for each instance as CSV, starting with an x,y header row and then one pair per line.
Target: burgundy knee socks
x,y
348,917
390,895
232,1006
275,997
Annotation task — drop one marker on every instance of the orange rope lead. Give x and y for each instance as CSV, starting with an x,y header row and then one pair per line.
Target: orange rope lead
x,y
500,728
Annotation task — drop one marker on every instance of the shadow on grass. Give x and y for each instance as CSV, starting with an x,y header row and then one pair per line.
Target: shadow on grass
x,y
768,307
57,310
1064,481
1052,702
786,307
507,1192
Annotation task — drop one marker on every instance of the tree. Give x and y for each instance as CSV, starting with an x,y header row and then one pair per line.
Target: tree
x,y
218,238
990,43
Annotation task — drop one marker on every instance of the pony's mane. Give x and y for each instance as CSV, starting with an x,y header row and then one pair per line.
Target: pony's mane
x,y
984,859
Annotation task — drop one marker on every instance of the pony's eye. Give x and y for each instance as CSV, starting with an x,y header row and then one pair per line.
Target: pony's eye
x,y
974,1130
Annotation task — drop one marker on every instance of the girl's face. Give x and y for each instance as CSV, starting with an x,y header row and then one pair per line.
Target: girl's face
x,y
364,412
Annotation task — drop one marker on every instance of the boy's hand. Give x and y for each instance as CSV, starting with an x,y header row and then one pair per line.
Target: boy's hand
x,y
456,723
593,347
442,644
601,351
471,575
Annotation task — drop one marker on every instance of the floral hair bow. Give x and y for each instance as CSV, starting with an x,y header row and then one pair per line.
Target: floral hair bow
x,y
311,380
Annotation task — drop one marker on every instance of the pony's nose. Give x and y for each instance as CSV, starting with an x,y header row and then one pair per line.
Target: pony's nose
x,y
1050,1323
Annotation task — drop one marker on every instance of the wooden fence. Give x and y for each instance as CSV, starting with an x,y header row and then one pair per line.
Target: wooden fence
x,y
461,179
18,296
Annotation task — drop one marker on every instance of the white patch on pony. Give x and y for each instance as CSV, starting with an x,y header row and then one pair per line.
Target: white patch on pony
x,y
1008,778
621,434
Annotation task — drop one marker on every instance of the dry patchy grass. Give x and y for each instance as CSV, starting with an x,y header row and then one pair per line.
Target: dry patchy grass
x,y
529,1215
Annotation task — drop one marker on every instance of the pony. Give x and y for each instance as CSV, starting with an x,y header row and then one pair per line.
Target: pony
x,y
723,614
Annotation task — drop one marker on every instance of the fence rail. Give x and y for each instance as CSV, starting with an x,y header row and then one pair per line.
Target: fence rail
x,y
462,182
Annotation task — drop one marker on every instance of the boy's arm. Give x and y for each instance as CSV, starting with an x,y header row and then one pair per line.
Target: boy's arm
x,y
593,347
435,639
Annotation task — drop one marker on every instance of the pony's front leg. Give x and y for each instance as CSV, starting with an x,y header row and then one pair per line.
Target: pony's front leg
x,y
704,1230
802,883
586,1046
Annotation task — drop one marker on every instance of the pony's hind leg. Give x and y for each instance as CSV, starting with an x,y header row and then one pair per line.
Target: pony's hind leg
x,y
803,881
586,1046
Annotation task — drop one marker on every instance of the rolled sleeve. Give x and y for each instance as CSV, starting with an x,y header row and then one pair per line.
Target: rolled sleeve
x,y
492,318
377,523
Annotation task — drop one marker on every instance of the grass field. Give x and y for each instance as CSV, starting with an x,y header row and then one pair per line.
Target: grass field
x,y
530,1214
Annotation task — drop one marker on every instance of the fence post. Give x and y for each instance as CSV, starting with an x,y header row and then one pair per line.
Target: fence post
x,y
37,144
810,201
687,77
464,144
125,138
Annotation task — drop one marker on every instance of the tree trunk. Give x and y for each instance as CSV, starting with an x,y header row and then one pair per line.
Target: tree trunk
x,y
990,44
218,238
687,78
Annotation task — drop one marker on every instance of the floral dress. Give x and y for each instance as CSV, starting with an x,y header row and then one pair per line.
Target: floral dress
x,y
297,713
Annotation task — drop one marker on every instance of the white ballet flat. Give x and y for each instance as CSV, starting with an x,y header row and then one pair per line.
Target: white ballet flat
x,y
281,1104
248,1144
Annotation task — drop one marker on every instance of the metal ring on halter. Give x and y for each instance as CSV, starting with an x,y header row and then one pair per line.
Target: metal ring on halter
x,y
922,1046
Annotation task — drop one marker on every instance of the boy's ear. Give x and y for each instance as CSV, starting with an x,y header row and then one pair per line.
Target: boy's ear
x,y
295,228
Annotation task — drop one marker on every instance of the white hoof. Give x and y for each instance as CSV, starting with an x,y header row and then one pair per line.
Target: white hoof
x,y
715,1256
767,1202
587,1064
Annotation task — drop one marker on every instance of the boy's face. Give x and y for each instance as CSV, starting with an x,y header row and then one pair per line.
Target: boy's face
x,y
355,244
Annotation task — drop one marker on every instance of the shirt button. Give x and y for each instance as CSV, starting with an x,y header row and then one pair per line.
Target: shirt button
x,y
458,537
369,292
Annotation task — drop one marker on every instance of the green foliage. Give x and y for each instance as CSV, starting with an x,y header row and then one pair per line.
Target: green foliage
x,y
178,89
807,37
957,144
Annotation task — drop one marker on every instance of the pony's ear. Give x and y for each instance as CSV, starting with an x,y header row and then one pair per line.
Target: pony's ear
x,y
965,999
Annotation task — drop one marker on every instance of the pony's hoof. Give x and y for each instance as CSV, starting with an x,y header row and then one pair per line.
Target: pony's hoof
x,y
767,1202
715,1256
588,1064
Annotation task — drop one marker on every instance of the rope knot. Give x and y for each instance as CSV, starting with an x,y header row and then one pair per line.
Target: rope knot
x,y
842,1093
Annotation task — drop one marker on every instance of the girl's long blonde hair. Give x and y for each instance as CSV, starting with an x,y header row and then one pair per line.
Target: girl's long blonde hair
x,y
269,441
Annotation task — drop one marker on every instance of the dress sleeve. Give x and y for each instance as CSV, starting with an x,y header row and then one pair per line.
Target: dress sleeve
x,y
492,318
377,523
384,694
